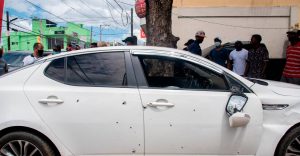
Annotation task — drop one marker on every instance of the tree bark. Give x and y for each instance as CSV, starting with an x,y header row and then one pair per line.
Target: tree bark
x,y
159,24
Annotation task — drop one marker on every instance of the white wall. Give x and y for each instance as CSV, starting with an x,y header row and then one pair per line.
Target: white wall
x,y
232,23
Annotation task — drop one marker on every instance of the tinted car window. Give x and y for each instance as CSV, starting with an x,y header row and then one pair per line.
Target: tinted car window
x,y
99,69
56,70
175,73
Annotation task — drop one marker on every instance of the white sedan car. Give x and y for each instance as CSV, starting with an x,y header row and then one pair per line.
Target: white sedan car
x,y
143,101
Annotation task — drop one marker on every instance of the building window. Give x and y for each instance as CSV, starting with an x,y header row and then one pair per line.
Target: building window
x,y
52,42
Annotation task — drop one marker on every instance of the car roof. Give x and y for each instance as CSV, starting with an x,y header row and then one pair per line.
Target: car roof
x,y
116,48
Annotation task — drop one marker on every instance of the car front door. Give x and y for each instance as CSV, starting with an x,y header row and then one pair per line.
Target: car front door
x,y
90,102
185,109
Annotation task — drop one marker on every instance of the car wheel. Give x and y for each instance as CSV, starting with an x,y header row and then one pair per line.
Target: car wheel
x,y
290,144
24,144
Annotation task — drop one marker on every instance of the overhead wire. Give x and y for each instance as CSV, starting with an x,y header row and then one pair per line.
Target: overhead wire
x,y
95,11
50,12
74,9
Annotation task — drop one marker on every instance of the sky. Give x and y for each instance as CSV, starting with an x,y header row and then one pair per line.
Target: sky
x,y
114,15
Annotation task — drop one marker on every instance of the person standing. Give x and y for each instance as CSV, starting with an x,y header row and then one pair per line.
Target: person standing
x,y
195,46
38,51
258,58
56,49
187,44
291,72
93,45
238,59
130,41
219,54
3,64
69,47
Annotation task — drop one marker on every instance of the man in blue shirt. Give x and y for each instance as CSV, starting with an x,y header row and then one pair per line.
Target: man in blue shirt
x,y
195,46
219,54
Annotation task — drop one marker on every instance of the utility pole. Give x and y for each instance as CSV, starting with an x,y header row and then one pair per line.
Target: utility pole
x,y
131,22
7,28
91,35
41,32
100,35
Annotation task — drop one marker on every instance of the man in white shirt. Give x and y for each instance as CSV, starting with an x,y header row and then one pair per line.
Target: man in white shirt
x,y
38,50
238,58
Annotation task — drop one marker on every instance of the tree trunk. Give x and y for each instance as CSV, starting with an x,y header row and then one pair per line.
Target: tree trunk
x,y
159,24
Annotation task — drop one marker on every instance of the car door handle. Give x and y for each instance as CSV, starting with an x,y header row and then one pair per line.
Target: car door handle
x,y
158,104
51,100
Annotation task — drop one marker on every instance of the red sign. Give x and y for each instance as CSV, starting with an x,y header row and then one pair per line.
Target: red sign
x,y
143,35
1,14
140,8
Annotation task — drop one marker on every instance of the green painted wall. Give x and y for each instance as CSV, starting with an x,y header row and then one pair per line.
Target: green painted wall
x,y
23,41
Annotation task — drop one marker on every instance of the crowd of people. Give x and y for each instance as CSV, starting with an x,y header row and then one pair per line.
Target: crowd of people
x,y
248,63
253,62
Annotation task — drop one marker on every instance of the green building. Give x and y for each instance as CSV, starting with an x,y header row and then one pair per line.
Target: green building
x,y
49,34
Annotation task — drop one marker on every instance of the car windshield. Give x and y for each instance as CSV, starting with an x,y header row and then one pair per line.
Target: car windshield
x,y
15,59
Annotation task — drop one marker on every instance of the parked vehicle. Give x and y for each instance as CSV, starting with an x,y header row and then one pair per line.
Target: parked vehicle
x,y
275,65
144,101
15,59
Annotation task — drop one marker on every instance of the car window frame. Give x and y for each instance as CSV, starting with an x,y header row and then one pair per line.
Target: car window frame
x,y
131,81
142,80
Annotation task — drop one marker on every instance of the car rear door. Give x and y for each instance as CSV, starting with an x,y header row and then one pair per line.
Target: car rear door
x,y
90,102
185,108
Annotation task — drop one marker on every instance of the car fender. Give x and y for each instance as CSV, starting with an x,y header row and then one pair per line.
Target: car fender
x,y
36,126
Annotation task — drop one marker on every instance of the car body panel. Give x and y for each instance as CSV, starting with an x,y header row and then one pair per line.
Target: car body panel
x,y
197,130
16,110
276,122
91,120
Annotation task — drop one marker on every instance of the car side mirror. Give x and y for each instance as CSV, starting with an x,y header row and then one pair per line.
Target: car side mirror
x,y
234,106
236,103
239,119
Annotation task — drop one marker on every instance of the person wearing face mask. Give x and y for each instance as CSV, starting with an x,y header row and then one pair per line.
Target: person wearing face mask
x,y
219,54
38,51
291,72
238,59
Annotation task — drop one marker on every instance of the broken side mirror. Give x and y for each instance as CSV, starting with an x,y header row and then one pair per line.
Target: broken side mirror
x,y
235,105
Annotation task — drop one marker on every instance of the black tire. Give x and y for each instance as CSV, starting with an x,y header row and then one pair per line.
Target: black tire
x,y
43,147
289,140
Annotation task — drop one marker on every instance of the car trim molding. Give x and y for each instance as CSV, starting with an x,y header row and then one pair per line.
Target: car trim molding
x,y
274,106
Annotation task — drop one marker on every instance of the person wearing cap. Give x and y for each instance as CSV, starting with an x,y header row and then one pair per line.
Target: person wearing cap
x,y
258,58
130,41
189,42
219,54
291,72
195,46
